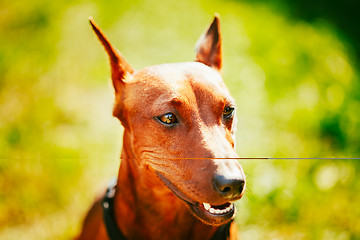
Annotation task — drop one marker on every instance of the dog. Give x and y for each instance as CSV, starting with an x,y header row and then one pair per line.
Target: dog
x,y
179,175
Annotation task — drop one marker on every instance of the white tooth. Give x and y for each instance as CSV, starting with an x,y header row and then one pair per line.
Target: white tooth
x,y
210,209
206,206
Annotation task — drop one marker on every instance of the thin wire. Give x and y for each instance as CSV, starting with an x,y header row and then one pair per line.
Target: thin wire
x,y
238,158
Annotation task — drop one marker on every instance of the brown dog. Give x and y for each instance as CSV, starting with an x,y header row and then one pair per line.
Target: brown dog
x,y
179,175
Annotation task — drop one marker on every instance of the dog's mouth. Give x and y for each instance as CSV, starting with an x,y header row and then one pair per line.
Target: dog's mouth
x,y
209,214
219,210
214,215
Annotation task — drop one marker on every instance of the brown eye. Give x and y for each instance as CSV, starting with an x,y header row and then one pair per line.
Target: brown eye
x,y
168,118
228,112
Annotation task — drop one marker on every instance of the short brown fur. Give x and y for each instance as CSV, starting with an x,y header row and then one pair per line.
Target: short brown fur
x,y
168,170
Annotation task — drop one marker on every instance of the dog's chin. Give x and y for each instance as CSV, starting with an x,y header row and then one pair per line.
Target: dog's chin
x,y
214,215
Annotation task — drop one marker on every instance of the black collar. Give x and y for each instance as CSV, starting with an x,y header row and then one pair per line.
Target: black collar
x,y
114,232
112,229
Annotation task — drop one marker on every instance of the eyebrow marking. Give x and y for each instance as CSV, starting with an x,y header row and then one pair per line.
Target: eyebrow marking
x,y
177,101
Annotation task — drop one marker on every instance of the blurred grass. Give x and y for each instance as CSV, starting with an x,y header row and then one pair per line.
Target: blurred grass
x,y
296,86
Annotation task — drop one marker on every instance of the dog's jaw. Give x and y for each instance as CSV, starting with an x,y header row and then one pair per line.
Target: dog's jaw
x,y
205,212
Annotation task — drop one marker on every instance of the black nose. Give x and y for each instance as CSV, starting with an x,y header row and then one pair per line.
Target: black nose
x,y
229,188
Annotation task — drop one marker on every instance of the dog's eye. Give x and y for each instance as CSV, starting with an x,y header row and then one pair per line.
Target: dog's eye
x,y
228,112
168,118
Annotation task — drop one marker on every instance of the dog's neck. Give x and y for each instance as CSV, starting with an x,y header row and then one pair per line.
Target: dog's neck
x,y
140,211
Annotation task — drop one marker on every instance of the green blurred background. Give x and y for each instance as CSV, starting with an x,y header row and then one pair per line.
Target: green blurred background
x,y
291,65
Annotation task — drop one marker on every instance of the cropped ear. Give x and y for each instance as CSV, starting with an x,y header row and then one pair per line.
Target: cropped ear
x,y
119,66
208,47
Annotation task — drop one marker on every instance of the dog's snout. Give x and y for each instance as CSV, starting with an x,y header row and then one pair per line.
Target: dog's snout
x,y
229,188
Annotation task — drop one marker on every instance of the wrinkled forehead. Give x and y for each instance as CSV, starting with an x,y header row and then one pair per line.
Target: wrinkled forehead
x,y
192,80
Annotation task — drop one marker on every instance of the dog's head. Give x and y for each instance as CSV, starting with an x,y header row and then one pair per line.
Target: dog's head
x,y
181,120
